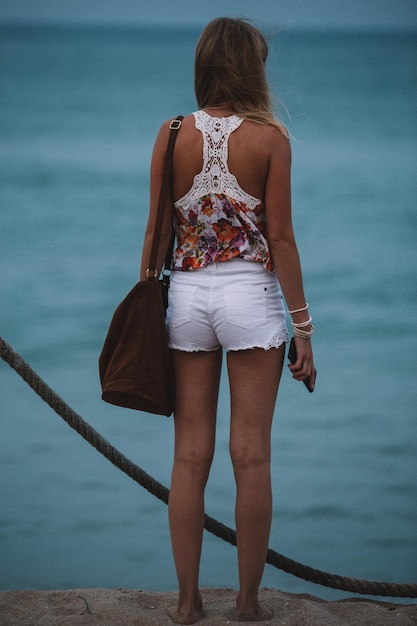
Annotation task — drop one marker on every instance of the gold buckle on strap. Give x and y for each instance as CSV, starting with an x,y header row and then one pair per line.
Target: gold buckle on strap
x,y
175,124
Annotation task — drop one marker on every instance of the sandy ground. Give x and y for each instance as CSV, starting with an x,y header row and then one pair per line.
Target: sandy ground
x,y
124,607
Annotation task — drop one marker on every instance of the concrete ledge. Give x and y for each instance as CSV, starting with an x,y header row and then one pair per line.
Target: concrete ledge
x,y
123,607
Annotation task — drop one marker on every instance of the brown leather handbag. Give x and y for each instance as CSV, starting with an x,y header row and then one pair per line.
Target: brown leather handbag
x,y
135,364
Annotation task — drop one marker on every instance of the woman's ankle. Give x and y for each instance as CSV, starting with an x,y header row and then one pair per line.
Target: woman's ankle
x,y
189,609
248,609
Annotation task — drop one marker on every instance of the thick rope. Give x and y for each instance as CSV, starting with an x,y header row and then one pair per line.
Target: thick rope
x,y
279,561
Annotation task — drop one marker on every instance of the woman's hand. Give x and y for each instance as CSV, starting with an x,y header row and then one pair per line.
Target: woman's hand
x,y
304,365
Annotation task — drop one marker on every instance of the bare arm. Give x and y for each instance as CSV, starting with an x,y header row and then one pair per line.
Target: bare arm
x,y
283,247
157,168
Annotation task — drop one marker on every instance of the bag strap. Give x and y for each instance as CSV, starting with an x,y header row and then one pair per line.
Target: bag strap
x,y
151,272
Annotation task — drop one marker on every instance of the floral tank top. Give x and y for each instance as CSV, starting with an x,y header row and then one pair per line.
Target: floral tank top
x,y
217,220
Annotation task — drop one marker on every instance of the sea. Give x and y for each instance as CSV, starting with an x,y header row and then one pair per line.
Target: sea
x,y
80,108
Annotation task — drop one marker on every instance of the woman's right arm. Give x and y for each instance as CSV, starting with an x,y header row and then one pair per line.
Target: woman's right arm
x,y
283,247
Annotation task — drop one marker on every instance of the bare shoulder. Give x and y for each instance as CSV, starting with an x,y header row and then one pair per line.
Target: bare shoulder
x,y
165,129
279,140
166,126
274,139
279,146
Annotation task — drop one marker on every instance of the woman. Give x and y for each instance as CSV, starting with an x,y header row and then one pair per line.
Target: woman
x,y
235,253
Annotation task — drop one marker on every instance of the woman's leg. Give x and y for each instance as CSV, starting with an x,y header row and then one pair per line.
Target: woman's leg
x,y
254,377
197,385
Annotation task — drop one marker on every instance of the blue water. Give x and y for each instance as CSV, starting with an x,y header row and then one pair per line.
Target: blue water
x,y
79,110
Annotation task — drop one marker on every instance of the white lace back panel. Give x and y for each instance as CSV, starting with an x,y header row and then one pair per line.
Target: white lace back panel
x,y
215,176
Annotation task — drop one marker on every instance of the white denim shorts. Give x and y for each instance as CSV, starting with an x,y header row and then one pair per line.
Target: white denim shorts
x,y
236,305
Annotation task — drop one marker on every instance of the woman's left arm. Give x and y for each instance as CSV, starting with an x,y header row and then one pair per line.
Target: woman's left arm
x,y
156,173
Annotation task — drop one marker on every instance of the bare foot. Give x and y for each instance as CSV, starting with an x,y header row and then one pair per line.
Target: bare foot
x,y
181,617
262,615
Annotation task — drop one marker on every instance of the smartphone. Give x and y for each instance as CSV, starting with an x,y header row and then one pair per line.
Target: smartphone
x,y
292,357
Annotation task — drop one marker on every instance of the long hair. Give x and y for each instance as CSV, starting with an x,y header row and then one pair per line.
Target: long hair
x,y
229,70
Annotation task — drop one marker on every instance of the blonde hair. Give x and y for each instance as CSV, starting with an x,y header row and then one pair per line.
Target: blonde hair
x,y
229,70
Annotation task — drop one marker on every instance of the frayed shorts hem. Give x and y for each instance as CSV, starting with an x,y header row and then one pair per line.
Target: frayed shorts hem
x,y
191,350
230,349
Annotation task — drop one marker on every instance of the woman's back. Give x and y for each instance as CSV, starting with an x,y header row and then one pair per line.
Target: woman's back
x,y
220,170
250,147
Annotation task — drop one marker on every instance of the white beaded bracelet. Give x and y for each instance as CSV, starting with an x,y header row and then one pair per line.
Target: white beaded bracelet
x,y
299,310
302,324
304,334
